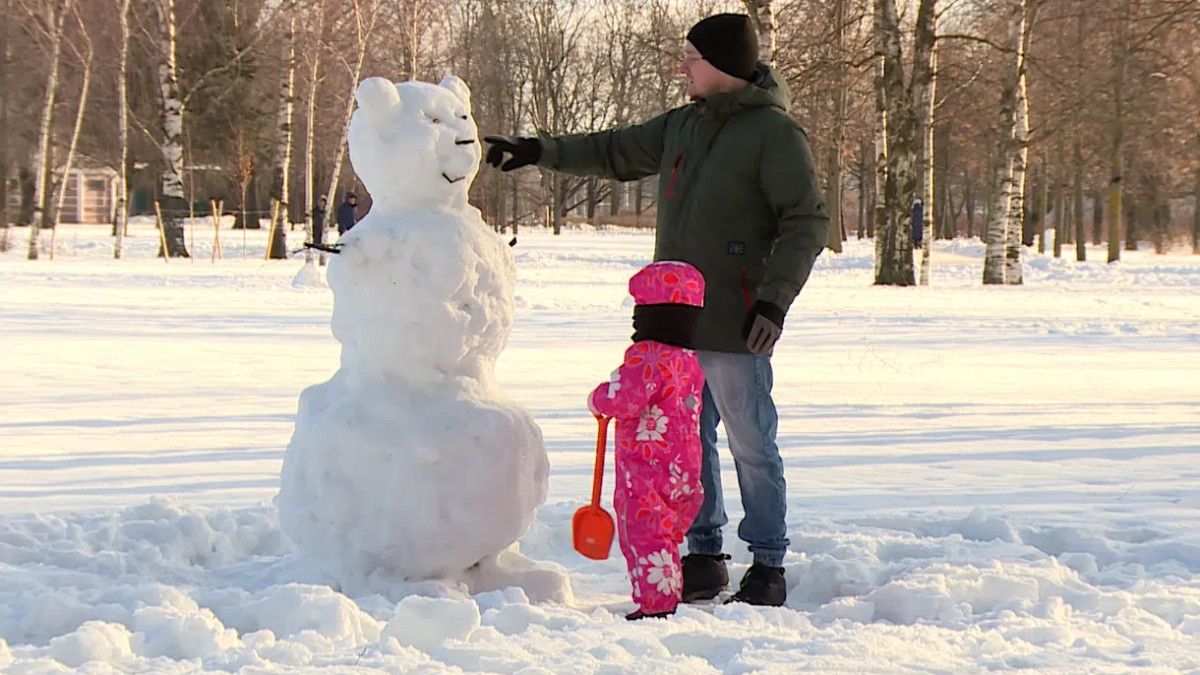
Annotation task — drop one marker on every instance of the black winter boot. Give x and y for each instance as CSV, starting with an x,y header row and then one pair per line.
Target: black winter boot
x,y
639,615
704,576
762,585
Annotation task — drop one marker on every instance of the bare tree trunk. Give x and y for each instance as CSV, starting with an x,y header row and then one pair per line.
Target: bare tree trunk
x,y
946,224
880,212
121,217
41,162
1115,186
310,200
1020,159
894,246
5,10
763,15
593,199
1196,214
516,202
834,198
363,27
1001,237
925,95
1132,222
283,152
1161,218
414,37
1080,228
1098,217
85,60
1043,206
1059,203
970,199
173,202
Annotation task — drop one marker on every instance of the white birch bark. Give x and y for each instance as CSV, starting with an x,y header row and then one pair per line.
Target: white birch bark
x,y
364,22
926,99
994,266
763,15
283,151
121,217
55,21
1014,230
895,258
837,165
881,162
173,201
85,59
310,133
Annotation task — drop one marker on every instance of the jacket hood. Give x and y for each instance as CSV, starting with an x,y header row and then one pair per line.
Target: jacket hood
x,y
767,90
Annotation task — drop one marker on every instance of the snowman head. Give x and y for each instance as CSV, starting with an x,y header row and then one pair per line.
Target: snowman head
x,y
415,144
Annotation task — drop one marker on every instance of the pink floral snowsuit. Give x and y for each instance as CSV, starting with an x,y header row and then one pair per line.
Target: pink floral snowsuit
x,y
655,397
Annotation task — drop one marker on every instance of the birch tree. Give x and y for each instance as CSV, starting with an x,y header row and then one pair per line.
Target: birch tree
x,y
1116,209
314,70
5,10
54,15
1020,149
999,237
878,223
763,16
121,218
365,16
283,150
173,203
903,103
926,93
85,60
837,161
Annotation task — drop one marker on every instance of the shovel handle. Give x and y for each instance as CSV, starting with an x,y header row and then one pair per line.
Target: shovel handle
x,y
601,444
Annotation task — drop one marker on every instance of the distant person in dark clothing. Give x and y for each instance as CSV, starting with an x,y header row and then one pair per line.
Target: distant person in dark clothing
x,y
347,213
318,220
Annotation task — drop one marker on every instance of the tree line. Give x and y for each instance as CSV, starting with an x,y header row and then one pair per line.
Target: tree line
x,y
1024,122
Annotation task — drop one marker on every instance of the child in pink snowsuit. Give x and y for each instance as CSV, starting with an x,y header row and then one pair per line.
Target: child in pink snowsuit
x,y
655,397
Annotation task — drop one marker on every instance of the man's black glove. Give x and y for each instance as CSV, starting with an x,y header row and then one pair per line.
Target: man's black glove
x,y
762,327
524,151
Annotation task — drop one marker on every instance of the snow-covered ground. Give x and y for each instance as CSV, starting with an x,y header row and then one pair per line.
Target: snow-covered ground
x,y
980,478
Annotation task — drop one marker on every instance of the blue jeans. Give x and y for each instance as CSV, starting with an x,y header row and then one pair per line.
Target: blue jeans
x,y
737,390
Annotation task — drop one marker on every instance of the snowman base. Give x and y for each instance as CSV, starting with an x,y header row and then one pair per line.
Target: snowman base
x,y
509,569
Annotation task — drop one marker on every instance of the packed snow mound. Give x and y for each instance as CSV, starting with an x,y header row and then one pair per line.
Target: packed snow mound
x,y
308,277
410,463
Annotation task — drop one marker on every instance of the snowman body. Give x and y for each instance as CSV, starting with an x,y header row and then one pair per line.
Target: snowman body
x,y
410,463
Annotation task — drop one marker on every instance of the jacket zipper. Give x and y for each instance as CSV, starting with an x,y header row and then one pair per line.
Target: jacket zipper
x,y
674,173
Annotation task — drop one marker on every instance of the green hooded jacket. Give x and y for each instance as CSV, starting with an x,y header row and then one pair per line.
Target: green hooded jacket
x,y
738,196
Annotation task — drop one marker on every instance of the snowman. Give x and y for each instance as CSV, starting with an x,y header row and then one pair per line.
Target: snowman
x,y
410,463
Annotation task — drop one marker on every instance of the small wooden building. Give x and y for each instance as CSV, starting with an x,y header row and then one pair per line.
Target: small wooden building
x,y
91,193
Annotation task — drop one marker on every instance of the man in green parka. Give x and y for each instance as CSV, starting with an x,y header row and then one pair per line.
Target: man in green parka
x,y
738,197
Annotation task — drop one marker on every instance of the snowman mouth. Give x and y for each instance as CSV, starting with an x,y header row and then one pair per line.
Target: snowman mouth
x,y
452,181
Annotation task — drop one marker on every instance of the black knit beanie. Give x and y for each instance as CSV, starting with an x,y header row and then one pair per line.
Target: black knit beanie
x,y
728,42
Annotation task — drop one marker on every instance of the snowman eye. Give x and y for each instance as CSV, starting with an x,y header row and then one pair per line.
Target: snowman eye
x,y
436,120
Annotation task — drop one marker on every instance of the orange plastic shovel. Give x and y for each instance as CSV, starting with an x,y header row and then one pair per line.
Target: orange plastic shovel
x,y
592,528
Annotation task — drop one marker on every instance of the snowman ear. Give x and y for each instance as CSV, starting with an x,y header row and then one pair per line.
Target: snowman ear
x,y
378,98
458,88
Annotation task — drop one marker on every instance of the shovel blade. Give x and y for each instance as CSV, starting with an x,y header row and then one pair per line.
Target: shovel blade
x,y
592,531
